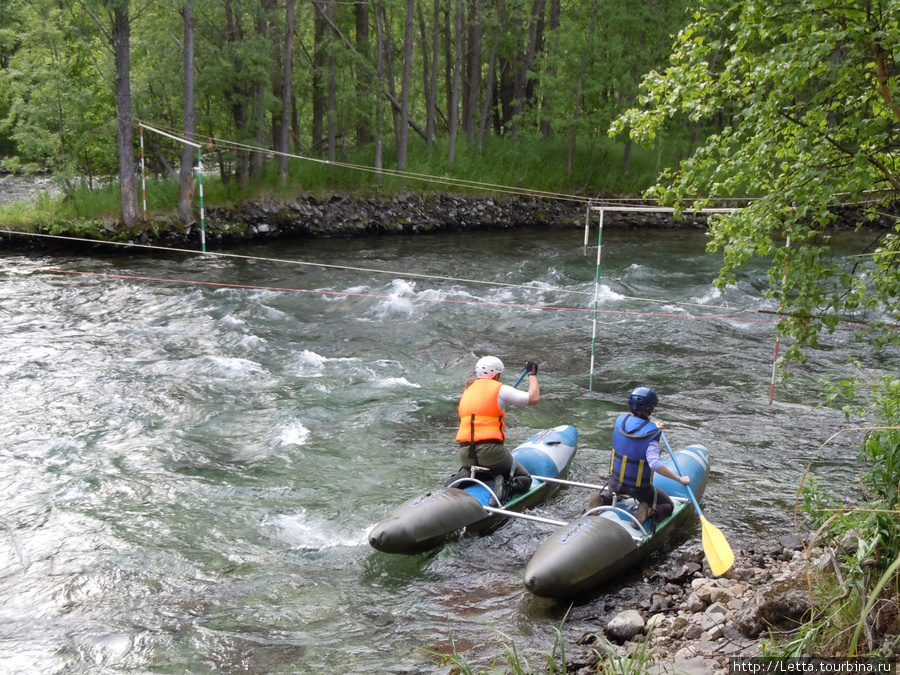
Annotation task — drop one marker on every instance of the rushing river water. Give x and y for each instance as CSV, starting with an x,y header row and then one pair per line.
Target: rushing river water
x,y
194,447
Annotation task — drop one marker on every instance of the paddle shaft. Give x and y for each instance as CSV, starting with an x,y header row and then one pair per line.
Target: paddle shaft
x,y
715,545
681,473
521,377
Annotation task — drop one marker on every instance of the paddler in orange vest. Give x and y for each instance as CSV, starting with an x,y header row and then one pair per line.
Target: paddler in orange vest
x,y
482,426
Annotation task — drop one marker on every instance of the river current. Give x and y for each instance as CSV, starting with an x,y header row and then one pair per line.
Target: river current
x,y
194,447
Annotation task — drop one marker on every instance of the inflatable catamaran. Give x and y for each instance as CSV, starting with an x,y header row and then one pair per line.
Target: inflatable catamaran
x,y
582,553
471,506
604,542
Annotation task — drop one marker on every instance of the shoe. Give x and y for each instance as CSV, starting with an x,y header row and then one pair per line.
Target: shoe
x,y
501,489
459,475
642,514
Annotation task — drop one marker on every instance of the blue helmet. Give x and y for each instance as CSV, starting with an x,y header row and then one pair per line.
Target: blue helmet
x,y
642,400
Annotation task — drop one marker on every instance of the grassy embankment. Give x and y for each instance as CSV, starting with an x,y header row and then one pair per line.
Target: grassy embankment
x,y
518,164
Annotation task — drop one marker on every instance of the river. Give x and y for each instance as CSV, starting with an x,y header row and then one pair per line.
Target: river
x,y
194,447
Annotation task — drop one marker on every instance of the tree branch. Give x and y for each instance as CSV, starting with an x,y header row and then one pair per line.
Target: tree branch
x,y
874,161
882,80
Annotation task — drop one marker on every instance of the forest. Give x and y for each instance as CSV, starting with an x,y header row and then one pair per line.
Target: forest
x,y
367,81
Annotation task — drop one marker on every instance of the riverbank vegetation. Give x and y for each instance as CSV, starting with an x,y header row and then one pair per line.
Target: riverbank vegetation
x,y
811,90
518,93
501,167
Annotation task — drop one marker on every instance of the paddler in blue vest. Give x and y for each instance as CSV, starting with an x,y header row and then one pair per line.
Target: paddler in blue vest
x,y
482,425
635,458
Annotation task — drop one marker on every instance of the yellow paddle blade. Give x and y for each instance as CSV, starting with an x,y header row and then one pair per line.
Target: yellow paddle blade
x,y
717,549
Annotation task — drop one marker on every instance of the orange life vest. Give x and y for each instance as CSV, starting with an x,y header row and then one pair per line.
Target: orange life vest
x,y
480,416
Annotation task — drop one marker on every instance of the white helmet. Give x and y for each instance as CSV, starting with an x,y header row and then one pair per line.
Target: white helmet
x,y
488,366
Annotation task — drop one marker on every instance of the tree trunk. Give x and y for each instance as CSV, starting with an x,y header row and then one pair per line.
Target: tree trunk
x,y
472,82
515,76
429,70
186,171
318,80
570,155
391,86
379,101
122,47
389,95
453,112
363,88
259,90
403,136
332,89
491,78
237,93
287,89
546,126
448,59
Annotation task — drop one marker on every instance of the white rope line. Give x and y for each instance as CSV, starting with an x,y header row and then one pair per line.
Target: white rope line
x,y
174,138
396,173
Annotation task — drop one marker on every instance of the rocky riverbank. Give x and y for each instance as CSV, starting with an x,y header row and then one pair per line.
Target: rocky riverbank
x,y
347,216
696,622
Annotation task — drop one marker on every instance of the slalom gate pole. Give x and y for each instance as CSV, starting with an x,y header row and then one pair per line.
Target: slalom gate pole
x,y
596,300
143,173
587,225
781,306
202,214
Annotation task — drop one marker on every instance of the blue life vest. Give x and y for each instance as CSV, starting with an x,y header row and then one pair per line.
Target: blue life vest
x,y
631,438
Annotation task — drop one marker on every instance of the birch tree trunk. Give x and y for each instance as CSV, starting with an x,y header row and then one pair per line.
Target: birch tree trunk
x,y
122,47
287,89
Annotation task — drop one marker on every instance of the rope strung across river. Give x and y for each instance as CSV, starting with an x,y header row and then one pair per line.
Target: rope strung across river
x,y
399,275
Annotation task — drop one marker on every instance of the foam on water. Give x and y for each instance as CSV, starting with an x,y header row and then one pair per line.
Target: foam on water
x,y
311,364
294,434
303,531
389,382
713,294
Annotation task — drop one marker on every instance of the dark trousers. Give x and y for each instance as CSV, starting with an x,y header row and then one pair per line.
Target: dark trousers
x,y
661,503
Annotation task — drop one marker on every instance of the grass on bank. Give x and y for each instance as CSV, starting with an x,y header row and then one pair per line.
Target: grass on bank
x,y
857,596
609,659
518,164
